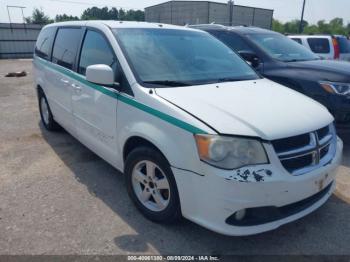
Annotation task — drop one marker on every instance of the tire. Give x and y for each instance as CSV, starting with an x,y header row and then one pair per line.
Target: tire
x,y
163,205
46,114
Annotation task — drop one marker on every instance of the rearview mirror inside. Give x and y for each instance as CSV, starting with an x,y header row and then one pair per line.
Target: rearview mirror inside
x,y
250,57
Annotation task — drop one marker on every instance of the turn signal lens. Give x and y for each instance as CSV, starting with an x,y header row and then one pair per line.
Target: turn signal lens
x,y
336,88
327,88
203,143
336,48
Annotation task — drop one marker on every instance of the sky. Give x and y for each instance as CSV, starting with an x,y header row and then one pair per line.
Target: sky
x,y
284,10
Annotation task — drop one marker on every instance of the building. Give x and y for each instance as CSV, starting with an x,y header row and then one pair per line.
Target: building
x,y
205,12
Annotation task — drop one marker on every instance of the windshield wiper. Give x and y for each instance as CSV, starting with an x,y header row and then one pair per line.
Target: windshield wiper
x,y
230,79
300,60
168,83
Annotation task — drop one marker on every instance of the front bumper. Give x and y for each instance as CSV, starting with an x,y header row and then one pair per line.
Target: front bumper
x,y
211,196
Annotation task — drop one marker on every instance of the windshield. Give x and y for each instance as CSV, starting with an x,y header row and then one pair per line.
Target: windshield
x,y
172,57
282,48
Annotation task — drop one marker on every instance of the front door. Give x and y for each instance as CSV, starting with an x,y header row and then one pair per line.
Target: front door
x,y
95,106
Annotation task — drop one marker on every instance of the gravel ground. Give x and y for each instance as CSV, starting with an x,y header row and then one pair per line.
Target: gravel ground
x,y
57,197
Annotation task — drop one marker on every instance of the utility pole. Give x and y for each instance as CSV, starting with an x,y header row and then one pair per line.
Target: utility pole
x,y
230,6
8,12
301,26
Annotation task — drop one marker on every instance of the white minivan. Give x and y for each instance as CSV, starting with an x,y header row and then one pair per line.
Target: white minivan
x,y
195,130
326,46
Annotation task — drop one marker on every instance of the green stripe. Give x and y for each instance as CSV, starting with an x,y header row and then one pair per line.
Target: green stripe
x,y
165,117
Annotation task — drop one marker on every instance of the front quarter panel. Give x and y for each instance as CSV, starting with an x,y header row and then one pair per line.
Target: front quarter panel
x,y
170,129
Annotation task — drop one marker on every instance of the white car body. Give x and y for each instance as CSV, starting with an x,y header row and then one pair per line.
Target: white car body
x,y
343,54
104,120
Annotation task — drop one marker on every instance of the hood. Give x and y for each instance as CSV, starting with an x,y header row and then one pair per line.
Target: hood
x,y
334,66
259,108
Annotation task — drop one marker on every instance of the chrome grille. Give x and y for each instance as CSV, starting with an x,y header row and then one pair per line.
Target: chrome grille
x,y
307,152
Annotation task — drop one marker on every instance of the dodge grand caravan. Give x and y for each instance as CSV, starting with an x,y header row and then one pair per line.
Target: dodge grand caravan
x,y
195,130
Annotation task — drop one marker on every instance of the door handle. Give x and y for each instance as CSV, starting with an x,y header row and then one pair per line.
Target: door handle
x,y
65,81
77,88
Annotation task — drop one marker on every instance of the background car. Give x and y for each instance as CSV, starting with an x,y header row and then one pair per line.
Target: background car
x,y
284,61
326,46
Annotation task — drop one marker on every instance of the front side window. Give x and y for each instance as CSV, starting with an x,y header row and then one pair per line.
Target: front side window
x,y
319,45
232,40
180,57
44,42
95,50
66,46
298,40
282,48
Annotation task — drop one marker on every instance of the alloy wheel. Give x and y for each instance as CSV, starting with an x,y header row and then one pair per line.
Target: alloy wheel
x,y
151,185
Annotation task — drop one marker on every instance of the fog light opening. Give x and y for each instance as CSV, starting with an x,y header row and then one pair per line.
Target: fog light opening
x,y
240,214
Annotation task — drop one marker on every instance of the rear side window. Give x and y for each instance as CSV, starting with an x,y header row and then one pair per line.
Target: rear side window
x,y
298,40
319,45
44,42
232,40
95,50
344,45
66,46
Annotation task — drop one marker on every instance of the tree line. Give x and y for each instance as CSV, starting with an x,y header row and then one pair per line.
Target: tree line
x,y
94,13
336,27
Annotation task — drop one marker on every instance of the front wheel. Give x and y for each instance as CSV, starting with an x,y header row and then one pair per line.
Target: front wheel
x,y
151,185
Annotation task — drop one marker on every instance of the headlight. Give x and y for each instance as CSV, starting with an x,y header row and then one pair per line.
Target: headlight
x,y
336,88
230,152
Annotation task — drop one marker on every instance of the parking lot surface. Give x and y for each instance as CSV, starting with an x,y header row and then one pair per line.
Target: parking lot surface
x,y
57,197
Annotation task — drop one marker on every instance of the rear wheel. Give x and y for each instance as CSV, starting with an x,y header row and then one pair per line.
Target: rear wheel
x,y
151,185
46,114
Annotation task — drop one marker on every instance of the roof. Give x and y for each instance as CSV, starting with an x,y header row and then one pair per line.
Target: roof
x,y
201,1
311,36
240,29
119,24
316,35
175,1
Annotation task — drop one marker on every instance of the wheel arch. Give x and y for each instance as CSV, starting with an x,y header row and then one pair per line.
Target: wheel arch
x,y
39,89
137,141
175,144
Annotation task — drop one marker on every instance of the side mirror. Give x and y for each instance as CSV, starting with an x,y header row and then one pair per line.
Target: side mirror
x,y
100,74
250,57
